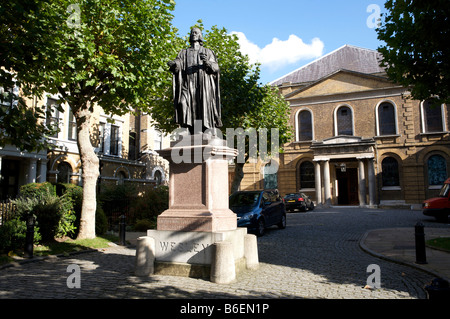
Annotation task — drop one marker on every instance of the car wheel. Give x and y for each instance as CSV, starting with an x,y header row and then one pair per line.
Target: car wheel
x,y
261,228
282,223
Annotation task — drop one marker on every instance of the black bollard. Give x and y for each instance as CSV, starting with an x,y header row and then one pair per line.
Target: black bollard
x,y
122,230
421,257
29,237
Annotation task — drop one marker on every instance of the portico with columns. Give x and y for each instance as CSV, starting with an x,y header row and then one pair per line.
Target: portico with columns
x,y
345,171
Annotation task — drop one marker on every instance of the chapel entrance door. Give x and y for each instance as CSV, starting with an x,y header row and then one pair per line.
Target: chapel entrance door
x,y
347,186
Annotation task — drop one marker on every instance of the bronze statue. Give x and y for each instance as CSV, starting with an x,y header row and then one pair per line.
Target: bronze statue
x,y
196,88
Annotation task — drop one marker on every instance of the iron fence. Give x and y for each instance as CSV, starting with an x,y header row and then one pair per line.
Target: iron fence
x,y
7,210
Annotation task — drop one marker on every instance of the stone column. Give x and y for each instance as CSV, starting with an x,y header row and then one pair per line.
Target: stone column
x,y
371,173
42,177
32,171
361,182
326,182
318,182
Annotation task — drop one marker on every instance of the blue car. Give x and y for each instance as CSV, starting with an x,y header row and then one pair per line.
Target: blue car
x,y
258,210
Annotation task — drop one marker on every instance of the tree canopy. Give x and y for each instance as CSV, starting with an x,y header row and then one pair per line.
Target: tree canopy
x,y
95,52
416,52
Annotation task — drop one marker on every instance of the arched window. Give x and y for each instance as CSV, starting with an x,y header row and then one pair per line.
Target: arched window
x,y
390,173
437,170
121,178
270,178
305,132
157,177
344,121
386,119
307,177
432,116
64,172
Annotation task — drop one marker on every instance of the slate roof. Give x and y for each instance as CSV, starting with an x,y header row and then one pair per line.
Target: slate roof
x,y
347,57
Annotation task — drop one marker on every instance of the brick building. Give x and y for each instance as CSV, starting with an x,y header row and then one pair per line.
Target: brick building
x,y
359,138
126,147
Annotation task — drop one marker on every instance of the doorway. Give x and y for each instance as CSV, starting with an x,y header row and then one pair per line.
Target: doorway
x,y
347,186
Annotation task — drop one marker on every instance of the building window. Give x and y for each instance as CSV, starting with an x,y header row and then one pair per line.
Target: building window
x,y
64,172
437,170
344,121
158,177
307,177
386,119
72,127
432,116
121,178
157,141
304,126
114,142
390,173
101,138
52,115
270,179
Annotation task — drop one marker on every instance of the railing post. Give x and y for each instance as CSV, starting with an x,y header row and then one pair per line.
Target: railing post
x,y
421,257
29,238
122,230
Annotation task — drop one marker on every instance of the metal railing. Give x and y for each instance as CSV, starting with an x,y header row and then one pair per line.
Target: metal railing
x,y
7,210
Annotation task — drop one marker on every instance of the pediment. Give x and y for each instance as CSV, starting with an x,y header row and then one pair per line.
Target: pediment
x,y
341,82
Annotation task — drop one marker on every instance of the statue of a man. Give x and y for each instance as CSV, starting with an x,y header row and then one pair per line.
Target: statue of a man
x,y
196,85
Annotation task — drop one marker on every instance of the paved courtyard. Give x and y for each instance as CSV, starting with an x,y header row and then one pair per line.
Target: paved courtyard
x,y
317,256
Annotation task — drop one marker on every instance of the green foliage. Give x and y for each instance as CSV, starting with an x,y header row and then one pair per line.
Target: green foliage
x,y
143,225
152,203
54,214
13,233
36,190
416,52
101,221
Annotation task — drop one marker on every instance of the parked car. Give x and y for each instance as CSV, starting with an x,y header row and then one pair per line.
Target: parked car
x,y
298,201
439,207
258,210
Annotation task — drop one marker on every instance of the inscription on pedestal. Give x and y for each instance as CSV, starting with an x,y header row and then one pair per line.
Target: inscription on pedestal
x,y
172,246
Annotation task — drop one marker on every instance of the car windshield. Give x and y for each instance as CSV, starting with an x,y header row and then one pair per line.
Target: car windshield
x,y
444,190
244,199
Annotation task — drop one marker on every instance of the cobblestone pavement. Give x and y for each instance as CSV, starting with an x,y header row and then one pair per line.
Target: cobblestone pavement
x,y
316,256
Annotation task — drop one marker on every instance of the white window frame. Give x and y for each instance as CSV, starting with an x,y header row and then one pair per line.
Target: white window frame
x,y
336,122
297,124
395,116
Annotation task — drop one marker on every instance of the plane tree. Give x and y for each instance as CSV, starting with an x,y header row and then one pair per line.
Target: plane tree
x,y
95,52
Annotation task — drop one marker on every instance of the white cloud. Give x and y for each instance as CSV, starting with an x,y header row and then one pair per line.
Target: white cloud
x,y
280,53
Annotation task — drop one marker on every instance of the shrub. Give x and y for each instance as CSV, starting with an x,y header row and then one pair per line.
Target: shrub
x,y
54,215
152,203
144,224
34,190
13,234
75,194
101,221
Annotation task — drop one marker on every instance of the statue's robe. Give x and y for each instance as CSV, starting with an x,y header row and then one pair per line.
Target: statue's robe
x,y
196,89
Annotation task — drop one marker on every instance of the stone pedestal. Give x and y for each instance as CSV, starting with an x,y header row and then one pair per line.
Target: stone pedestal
x,y
197,236
198,185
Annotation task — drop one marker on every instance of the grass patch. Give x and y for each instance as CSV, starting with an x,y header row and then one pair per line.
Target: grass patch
x,y
63,247
440,243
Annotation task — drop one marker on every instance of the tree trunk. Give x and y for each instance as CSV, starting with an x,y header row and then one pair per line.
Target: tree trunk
x,y
238,176
90,167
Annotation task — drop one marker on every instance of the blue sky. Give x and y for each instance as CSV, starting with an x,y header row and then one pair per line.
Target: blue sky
x,y
284,35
